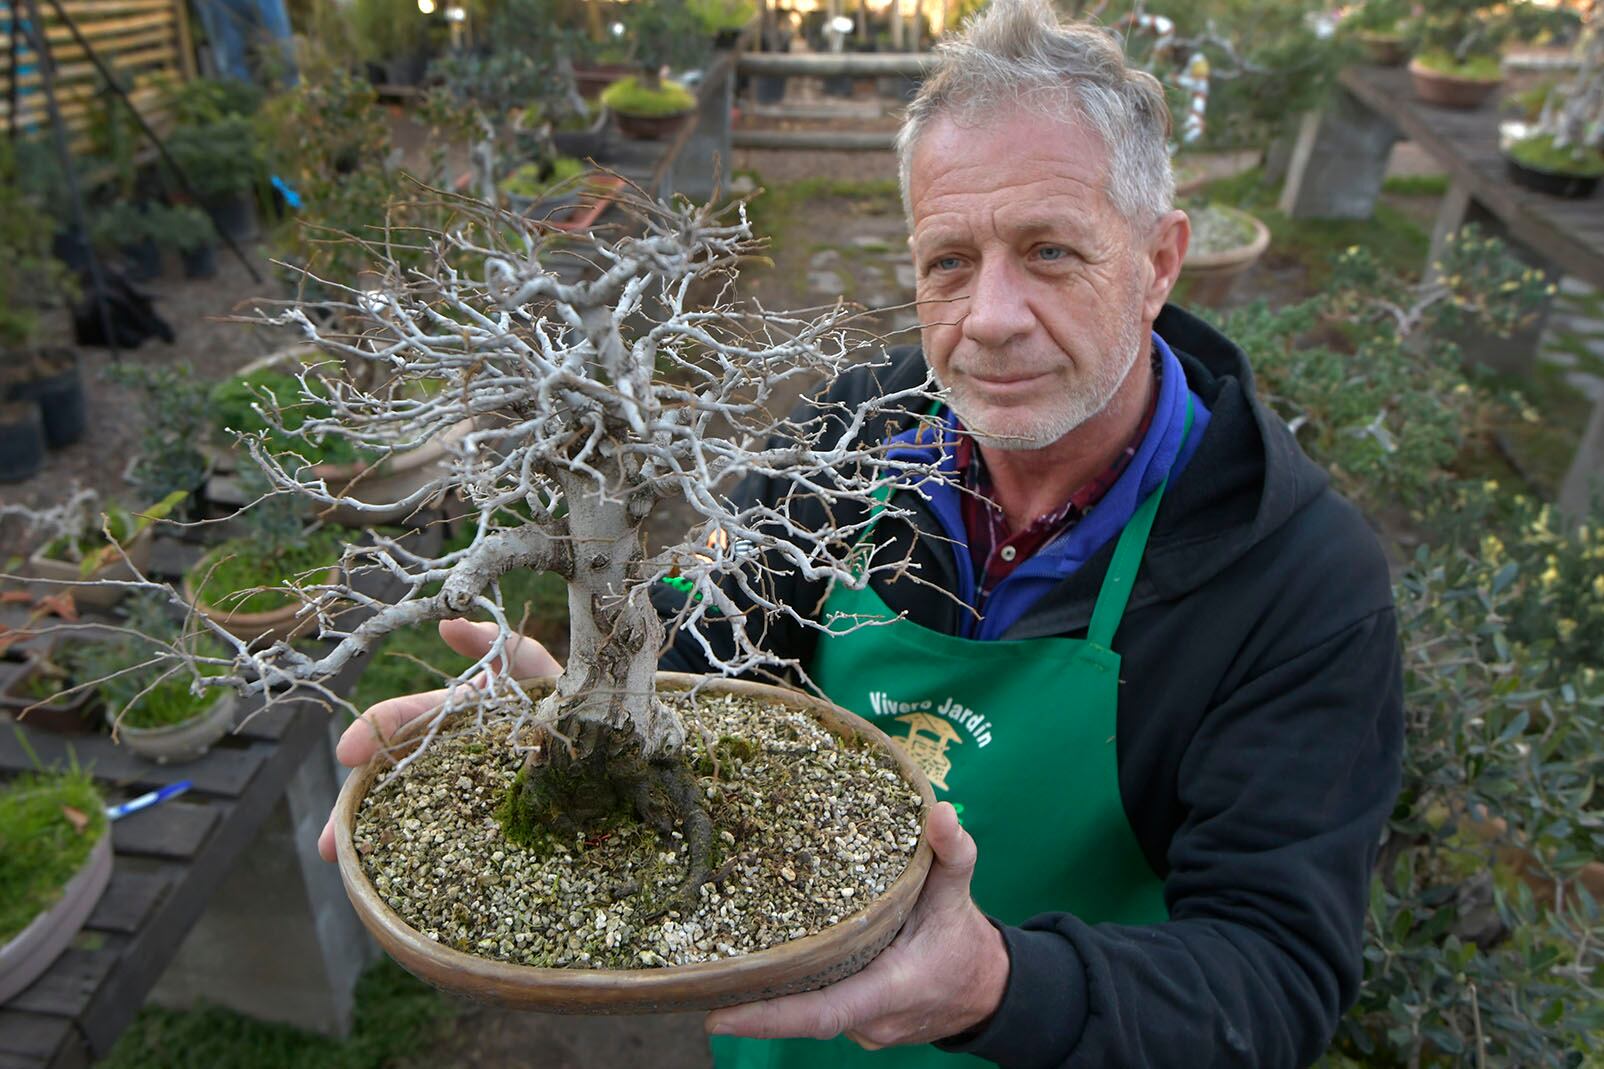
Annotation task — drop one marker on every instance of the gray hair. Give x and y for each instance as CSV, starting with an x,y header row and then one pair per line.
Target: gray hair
x,y
1016,52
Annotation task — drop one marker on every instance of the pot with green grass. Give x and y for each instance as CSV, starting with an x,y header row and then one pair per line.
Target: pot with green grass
x,y
646,112
55,862
1379,27
44,694
1458,63
724,20
239,584
1226,243
85,555
1561,153
542,188
169,724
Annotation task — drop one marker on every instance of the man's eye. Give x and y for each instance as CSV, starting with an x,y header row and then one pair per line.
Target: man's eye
x,y
946,263
1052,252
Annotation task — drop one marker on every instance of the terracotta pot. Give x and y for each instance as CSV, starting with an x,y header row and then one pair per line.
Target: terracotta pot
x,y
1509,851
1450,91
592,78
1383,49
1212,275
31,951
138,550
651,127
800,965
71,716
275,624
177,743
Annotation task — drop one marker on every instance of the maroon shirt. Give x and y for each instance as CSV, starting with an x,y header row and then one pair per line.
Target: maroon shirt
x,y
996,551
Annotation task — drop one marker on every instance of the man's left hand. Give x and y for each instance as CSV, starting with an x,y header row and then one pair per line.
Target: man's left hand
x,y
943,974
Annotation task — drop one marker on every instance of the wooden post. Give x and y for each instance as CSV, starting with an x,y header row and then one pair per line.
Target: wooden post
x,y
186,44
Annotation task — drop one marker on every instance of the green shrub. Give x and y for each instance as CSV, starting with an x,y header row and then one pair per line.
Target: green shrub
x,y
235,408
1539,154
226,575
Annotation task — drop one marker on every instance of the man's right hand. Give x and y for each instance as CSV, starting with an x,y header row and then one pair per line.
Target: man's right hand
x,y
380,723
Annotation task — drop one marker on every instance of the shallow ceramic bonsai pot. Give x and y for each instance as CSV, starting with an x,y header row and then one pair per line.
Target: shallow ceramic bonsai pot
x,y
1211,275
1384,49
795,966
137,550
31,951
1551,183
280,623
187,741
74,715
1449,90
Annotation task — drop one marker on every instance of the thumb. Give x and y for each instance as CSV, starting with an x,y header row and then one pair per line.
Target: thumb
x,y
947,886
471,639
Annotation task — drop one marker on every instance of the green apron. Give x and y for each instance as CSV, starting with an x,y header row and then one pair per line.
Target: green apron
x,y
1020,737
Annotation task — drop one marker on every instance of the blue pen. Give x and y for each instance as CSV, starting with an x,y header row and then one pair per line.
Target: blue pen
x,y
144,801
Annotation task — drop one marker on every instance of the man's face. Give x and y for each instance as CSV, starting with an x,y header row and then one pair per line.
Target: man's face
x,y
1031,285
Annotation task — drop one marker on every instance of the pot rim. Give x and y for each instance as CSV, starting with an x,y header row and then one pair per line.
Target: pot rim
x,y
1420,70
1241,254
226,616
621,990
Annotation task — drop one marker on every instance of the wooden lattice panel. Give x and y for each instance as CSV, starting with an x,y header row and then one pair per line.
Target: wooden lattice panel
x,y
145,42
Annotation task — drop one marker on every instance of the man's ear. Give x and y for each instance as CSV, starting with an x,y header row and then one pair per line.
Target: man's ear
x,y
1166,249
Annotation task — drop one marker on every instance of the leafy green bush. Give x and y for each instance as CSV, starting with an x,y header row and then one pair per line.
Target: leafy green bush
x,y
1465,965
40,846
173,422
236,408
221,158
226,576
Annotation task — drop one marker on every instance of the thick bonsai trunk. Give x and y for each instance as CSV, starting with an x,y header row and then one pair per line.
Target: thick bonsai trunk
x,y
614,749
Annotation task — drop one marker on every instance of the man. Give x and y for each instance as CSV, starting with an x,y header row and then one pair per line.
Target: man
x,y
1162,651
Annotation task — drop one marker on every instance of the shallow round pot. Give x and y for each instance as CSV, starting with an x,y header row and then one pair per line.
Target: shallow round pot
x,y
180,742
1448,91
98,597
281,623
1211,275
395,478
799,965
1383,49
31,951
74,716
651,127
1551,183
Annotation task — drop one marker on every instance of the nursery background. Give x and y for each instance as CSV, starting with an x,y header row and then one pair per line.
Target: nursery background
x,y
1396,214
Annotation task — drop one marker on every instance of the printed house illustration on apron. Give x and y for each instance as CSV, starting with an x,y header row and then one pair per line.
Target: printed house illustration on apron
x,y
929,750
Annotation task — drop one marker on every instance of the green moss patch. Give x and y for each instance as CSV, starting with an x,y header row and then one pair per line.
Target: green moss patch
x,y
1540,154
40,848
627,96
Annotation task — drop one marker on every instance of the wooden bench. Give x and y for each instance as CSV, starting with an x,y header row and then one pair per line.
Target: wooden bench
x,y
1339,163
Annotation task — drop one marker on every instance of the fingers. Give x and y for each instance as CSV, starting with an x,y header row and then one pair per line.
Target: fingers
x,y
821,1014
376,727
947,886
529,658
325,840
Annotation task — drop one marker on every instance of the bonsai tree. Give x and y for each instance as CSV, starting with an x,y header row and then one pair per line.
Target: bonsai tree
x,y
1569,134
666,34
594,401
1466,37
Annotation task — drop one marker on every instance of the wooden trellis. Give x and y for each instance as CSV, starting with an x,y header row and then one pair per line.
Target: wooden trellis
x,y
145,42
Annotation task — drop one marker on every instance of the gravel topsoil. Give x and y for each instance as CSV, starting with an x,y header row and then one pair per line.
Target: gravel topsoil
x,y
808,827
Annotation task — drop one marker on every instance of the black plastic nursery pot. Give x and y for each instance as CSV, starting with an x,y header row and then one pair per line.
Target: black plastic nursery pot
x,y
142,260
1552,183
201,262
234,216
60,397
22,441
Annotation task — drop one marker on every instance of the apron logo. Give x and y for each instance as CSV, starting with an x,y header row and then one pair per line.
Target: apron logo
x,y
926,742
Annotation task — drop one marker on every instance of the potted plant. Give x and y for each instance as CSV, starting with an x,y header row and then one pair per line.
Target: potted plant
x,y
168,463
46,693
221,160
723,20
55,861
395,41
661,35
22,441
1562,154
127,228
50,378
1381,28
577,397
1458,63
1226,243
189,232
246,584
76,544
542,189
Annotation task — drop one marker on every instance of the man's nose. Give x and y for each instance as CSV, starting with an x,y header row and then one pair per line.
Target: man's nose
x,y
998,311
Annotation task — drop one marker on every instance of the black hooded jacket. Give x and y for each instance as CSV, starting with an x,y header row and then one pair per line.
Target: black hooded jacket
x,y
1259,744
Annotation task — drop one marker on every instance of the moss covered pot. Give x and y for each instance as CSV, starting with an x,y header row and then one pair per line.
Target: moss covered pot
x,y
1536,164
836,950
648,113
51,872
